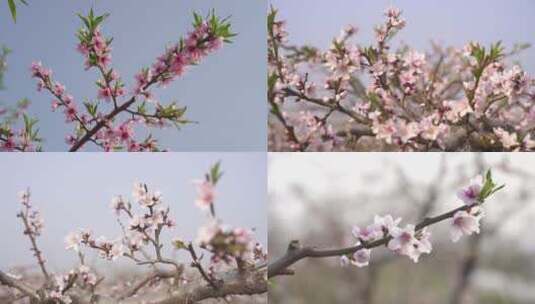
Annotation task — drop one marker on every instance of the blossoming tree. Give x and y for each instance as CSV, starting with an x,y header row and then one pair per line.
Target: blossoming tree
x,y
450,99
109,122
228,260
411,240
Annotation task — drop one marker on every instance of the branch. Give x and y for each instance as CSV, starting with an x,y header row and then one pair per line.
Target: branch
x,y
35,249
148,280
296,253
234,283
196,263
25,289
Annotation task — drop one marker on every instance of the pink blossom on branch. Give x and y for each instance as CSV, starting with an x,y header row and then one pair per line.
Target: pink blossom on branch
x,y
111,125
411,240
375,97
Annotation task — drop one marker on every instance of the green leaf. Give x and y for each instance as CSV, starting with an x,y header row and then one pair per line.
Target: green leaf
x,y
179,244
13,9
215,173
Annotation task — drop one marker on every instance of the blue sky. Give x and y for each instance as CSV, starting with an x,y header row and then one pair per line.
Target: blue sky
x,y
75,190
225,94
452,22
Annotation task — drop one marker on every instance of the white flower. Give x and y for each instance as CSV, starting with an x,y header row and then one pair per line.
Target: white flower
x,y
207,232
135,240
73,240
117,203
139,192
138,222
116,251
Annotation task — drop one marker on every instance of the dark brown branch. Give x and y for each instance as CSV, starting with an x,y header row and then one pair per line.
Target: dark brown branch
x,y
197,264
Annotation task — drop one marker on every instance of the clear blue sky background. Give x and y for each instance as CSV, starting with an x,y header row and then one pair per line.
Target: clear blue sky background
x,y
452,22
226,93
74,191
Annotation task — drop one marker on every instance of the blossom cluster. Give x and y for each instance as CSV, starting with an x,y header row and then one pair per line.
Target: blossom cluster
x,y
141,229
227,244
18,131
111,124
413,241
62,283
448,99
58,285
207,37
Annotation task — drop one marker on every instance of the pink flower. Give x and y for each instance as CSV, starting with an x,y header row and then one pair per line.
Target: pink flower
x,y
368,233
8,144
386,223
402,239
58,89
465,223
55,105
508,140
410,243
70,139
105,93
470,194
344,261
205,194
82,48
457,109
125,132
361,257
415,60
422,245
394,18
70,113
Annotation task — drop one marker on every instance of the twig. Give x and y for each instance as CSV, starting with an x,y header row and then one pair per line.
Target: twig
x,y
196,263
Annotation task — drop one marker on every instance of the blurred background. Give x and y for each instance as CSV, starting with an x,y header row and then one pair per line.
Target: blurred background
x,y
225,85
451,23
74,191
317,197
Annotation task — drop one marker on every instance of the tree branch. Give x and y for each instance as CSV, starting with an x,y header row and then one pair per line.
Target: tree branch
x,y
296,253
25,289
